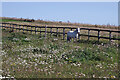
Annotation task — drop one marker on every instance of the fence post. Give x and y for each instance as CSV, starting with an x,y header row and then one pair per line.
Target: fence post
x,y
13,28
10,27
45,31
110,36
98,35
16,27
40,31
50,31
31,29
19,28
63,33
2,26
6,26
27,28
23,28
57,31
35,29
88,34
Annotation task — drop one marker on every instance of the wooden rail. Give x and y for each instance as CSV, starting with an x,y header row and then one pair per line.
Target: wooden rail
x,y
29,28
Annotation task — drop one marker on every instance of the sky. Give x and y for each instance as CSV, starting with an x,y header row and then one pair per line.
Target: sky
x,y
101,13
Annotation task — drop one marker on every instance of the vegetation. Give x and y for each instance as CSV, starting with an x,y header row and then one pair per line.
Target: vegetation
x,y
55,23
33,56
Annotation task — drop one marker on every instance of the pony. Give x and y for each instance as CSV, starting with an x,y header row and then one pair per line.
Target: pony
x,y
73,34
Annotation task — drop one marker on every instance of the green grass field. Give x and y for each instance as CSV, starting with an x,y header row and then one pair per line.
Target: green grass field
x,y
33,56
10,20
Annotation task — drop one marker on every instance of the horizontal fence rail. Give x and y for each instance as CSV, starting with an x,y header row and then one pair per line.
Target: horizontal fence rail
x,y
29,28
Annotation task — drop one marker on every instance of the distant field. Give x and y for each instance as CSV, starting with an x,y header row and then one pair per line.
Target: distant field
x,y
53,23
10,20
32,56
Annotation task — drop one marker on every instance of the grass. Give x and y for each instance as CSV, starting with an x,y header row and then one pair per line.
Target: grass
x,y
32,56
10,20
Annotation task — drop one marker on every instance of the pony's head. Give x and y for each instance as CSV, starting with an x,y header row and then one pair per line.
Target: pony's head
x,y
78,30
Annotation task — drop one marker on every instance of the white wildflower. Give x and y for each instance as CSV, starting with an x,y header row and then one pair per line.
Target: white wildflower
x,y
15,39
27,39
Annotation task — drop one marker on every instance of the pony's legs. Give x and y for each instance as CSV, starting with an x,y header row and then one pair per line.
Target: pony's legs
x,y
68,39
76,38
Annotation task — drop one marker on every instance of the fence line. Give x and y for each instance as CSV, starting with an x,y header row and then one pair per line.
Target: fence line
x,y
30,29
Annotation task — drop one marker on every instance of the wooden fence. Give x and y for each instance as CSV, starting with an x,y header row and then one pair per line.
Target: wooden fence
x,y
29,28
